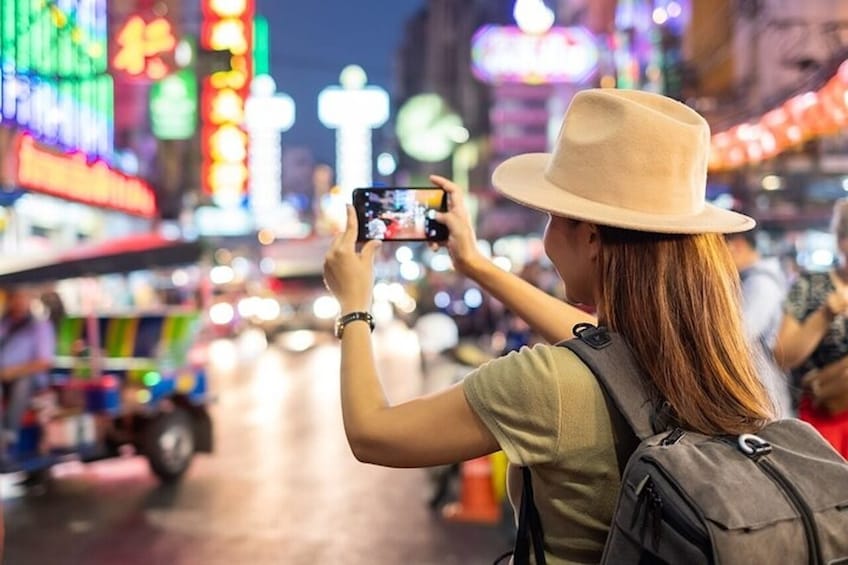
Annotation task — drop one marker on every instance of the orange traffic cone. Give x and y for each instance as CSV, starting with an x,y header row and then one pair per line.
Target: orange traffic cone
x,y
477,497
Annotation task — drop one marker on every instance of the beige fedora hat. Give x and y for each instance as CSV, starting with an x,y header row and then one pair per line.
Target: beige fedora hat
x,y
627,159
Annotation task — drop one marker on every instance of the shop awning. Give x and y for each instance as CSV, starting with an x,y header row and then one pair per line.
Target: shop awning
x,y
123,255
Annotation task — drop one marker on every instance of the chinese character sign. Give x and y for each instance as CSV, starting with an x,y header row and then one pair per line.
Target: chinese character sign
x,y
144,48
227,26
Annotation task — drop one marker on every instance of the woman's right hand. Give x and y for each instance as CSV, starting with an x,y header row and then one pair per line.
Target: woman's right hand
x,y
462,241
837,303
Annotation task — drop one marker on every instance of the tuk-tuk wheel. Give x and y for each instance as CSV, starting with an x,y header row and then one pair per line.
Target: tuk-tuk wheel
x,y
169,444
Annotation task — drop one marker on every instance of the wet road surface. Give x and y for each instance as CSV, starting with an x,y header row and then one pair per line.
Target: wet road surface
x,y
282,486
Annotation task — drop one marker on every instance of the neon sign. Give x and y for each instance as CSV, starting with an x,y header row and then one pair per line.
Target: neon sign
x,y
227,26
145,49
505,54
53,72
173,106
73,177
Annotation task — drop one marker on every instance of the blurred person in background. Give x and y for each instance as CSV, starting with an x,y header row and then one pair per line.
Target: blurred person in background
x,y
627,165
27,349
763,292
790,266
54,308
813,340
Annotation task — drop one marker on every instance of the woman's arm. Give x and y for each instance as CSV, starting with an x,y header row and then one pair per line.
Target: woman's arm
x,y
829,381
547,315
436,429
431,430
14,372
796,340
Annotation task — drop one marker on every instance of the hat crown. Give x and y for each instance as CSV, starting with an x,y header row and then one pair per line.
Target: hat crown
x,y
624,158
632,150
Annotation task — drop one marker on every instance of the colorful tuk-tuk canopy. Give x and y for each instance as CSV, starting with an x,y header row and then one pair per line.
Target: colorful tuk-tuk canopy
x,y
123,255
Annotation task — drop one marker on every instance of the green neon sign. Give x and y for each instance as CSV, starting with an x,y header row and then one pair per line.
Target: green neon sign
x,y
173,106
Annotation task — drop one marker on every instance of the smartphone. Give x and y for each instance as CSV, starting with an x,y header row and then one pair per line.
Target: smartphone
x,y
400,213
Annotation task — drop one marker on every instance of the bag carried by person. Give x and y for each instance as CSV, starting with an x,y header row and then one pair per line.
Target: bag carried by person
x,y
780,496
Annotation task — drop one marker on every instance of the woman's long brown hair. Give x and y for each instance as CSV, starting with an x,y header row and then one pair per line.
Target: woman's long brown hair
x,y
676,300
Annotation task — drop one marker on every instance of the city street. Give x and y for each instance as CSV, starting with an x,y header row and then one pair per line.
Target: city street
x,y
282,486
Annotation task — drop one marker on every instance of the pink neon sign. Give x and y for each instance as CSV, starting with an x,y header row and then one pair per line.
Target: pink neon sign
x,y
505,54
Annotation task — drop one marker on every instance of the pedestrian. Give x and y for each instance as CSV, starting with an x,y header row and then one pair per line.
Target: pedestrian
x,y
763,291
27,349
629,233
813,340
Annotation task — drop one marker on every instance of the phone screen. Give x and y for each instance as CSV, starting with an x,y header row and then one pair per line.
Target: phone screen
x,y
400,214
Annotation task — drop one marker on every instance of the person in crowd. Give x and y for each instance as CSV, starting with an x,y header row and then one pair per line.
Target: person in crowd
x,y
789,265
630,233
27,348
54,308
763,291
813,340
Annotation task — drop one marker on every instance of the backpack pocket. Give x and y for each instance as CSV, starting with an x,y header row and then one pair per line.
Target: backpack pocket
x,y
655,523
770,508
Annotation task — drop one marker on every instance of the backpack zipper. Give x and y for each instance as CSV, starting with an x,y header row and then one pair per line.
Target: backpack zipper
x,y
804,511
647,490
813,544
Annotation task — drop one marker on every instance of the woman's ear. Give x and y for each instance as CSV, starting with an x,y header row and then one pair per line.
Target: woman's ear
x,y
593,240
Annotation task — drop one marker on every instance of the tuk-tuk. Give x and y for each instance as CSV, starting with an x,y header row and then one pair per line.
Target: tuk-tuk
x,y
121,381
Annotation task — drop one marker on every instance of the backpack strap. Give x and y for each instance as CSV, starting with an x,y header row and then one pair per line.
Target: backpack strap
x,y
611,361
530,531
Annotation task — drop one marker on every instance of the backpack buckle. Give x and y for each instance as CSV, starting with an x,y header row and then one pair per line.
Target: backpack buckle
x,y
596,337
753,446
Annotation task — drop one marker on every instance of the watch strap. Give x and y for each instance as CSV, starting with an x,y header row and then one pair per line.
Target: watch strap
x,y
345,319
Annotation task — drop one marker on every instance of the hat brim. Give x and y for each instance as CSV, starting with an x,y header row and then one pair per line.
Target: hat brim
x,y
522,179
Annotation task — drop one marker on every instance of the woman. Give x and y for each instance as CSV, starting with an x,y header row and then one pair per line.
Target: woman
x,y
630,234
813,340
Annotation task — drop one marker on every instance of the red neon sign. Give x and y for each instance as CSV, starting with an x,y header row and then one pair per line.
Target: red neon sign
x,y
227,26
145,49
72,177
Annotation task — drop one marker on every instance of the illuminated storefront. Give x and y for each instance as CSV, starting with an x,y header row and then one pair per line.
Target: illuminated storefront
x,y
61,196
227,26
58,162
72,176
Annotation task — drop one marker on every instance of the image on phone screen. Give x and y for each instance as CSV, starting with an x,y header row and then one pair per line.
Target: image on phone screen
x,y
400,214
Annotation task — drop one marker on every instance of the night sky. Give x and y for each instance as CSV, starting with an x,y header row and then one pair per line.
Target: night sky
x,y
312,40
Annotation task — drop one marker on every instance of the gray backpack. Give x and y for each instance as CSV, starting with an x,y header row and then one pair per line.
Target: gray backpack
x,y
780,496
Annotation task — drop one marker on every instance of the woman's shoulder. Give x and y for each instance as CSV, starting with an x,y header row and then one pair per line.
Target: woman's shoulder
x,y
545,362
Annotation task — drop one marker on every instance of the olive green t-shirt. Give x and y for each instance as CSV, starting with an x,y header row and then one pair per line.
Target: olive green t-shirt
x,y
547,411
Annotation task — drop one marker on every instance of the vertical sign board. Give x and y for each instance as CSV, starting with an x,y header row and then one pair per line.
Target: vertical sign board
x,y
227,26
54,79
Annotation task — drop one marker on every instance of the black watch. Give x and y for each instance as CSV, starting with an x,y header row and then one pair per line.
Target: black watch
x,y
342,321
